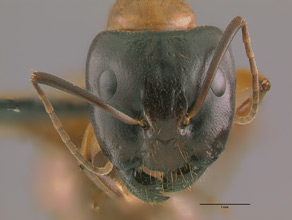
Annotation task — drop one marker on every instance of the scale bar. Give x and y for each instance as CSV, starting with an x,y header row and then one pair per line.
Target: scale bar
x,y
225,204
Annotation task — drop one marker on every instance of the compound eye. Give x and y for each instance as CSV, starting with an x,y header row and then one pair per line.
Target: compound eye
x,y
107,85
219,83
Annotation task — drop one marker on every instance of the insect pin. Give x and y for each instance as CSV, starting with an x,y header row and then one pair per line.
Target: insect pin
x,y
161,94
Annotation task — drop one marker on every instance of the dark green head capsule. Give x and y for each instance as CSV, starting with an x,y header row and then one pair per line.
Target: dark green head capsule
x,y
154,65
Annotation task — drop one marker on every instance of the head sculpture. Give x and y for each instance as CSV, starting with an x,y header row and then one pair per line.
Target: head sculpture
x,y
152,64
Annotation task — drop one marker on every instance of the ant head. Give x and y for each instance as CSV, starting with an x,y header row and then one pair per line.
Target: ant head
x,y
157,77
